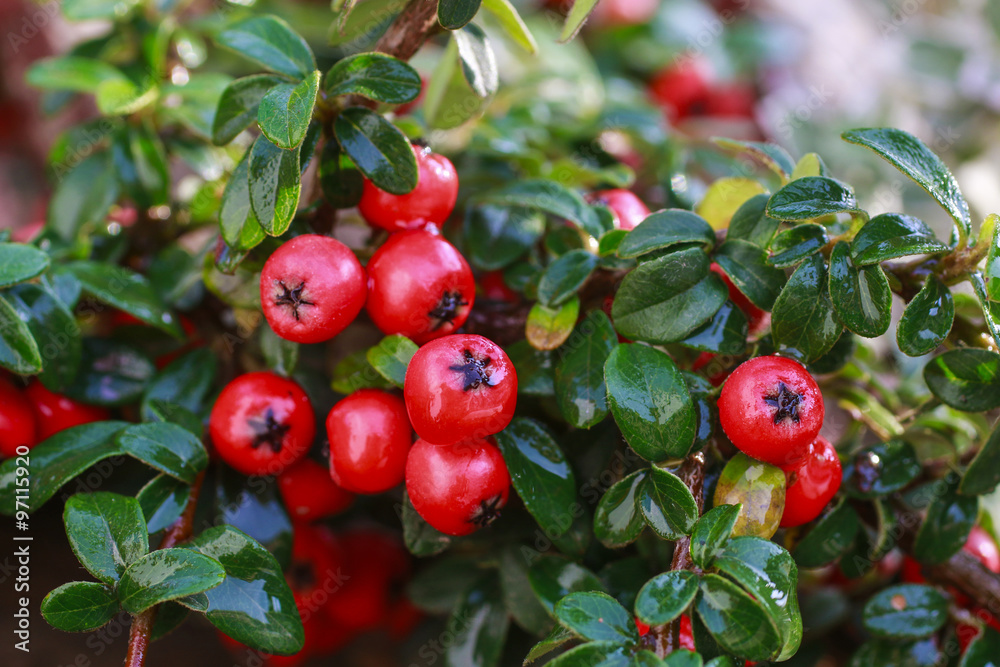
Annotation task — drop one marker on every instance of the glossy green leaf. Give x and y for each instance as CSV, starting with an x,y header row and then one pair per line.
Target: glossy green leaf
x,y
861,297
55,330
163,500
983,650
664,229
238,105
253,604
420,537
736,621
726,333
184,382
440,586
793,245
378,148
751,223
107,533
553,578
548,328
556,638
83,196
56,461
506,14
478,626
618,521
125,290
167,574
905,611
803,321
254,508
453,14
594,654
771,156
921,653
811,197
353,372
19,262
758,488
983,473
881,469
579,377
158,410
239,224
966,379
711,533
140,160
665,597
746,265
169,448
269,41
991,270
69,72
552,198
927,319
376,76
667,504
597,617
830,538
111,374
563,277
890,236
495,236
79,606
342,183
650,402
19,351
949,519
540,472
914,159
666,299
391,356
576,17
285,111
275,185
678,658
478,63
990,309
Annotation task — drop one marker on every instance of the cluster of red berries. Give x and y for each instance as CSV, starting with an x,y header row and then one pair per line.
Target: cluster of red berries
x,y
772,409
688,90
29,416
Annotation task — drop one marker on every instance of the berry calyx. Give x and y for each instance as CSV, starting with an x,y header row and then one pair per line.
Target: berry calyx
x,y
430,202
370,437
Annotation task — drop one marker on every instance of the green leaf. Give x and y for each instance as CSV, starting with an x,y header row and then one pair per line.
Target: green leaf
x,y
496,236
123,97
881,469
239,224
354,372
890,236
922,653
736,621
746,265
927,319
420,537
758,488
768,573
991,270
450,101
810,164
910,156
475,55
167,574
453,14
966,379
184,382
793,245
946,527
518,598
79,606
83,196
803,321
19,262
552,198
810,198
597,617
666,299
107,533
269,41
983,650
553,578
548,328
18,349
238,105
512,23
665,597
391,357
905,611
342,183
441,586
57,460
751,223
770,156
275,185
593,654
830,538
140,160
983,473
618,519
563,277
478,626
552,641
991,310
664,229
253,605
76,73
125,290
111,374
377,76
577,16
285,111
711,533
579,377
678,658
281,355
650,402
163,500
55,330
667,504
726,333
109,10
378,148
169,448
861,297
540,473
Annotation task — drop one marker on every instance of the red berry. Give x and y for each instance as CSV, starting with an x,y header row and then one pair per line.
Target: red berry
x,y
813,481
370,437
686,635
419,286
624,12
431,202
641,627
310,494
494,288
731,100
317,569
55,412
262,423
311,288
460,387
982,546
375,566
628,210
681,89
757,319
771,408
457,488
17,420
403,619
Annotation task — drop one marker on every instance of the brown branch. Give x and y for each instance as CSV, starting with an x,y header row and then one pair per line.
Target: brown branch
x,y
142,625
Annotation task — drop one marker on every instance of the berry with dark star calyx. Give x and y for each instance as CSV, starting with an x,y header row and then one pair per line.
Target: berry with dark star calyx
x,y
431,202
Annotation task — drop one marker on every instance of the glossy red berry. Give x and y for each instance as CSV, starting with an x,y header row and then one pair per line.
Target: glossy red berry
x,y
460,387
311,288
262,423
457,488
419,286
370,437
310,494
628,210
680,90
758,320
812,481
686,634
981,545
17,420
431,202
55,412
771,408
494,288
